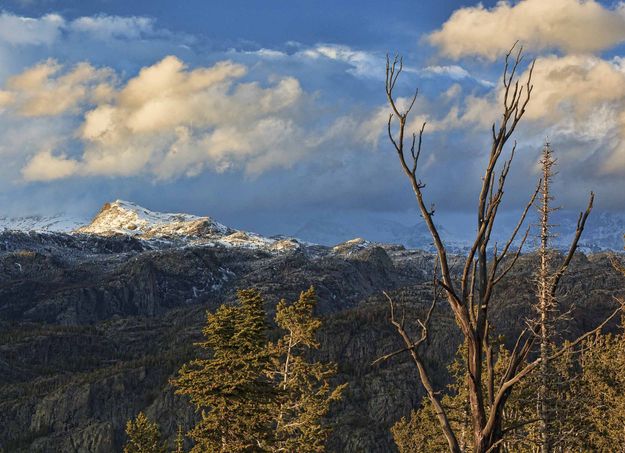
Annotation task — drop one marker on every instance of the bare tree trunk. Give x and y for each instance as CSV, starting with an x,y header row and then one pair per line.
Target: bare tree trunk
x,y
546,302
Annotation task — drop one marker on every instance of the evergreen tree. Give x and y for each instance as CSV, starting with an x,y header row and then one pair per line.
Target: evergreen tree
x,y
603,385
143,436
305,391
230,389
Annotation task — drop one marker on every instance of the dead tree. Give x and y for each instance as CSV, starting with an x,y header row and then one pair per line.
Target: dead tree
x,y
546,303
470,294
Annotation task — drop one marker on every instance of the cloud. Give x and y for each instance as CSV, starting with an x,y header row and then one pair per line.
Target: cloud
x,y
109,27
174,119
570,88
574,86
17,30
361,63
578,100
42,91
572,26
45,166
171,121
454,72
269,54
48,29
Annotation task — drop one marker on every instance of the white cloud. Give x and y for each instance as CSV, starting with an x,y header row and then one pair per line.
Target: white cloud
x,y
17,30
574,86
362,64
48,29
109,27
573,26
578,99
45,166
42,91
454,72
171,121
269,54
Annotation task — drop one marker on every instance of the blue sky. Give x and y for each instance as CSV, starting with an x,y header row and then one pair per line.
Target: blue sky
x,y
266,115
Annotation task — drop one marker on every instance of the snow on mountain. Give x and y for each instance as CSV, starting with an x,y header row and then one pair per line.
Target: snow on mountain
x,y
59,223
604,230
126,218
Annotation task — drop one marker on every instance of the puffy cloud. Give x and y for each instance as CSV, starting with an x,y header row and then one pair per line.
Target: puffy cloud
x,y
573,26
45,166
571,88
577,99
176,120
171,121
574,86
42,91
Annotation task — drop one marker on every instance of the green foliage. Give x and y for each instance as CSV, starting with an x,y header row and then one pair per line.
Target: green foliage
x,y
230,389
143,436
603,384
256,396
305,390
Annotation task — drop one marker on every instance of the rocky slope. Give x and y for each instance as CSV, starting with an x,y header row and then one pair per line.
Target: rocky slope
x,y
94,323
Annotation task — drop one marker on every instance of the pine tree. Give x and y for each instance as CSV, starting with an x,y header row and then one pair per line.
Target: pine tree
x,y
143,436
230,389
603,384
305,390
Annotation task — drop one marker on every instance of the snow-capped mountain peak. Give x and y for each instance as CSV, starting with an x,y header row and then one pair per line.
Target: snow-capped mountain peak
x,y
167,229
124,217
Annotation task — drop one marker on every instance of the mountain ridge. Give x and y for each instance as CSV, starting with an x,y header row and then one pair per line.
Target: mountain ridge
x,y
125,218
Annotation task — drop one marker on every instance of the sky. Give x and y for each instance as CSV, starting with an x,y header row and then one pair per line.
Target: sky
x,y
269,115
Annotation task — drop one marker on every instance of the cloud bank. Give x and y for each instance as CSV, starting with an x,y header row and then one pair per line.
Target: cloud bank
x,y
170,121
571,26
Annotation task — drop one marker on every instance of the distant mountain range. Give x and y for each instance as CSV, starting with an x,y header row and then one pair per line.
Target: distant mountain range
x,y
604,231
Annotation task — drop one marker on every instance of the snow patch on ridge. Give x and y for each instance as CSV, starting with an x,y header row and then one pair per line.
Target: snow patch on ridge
x,y
58,223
